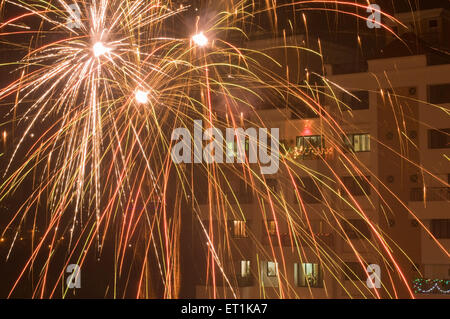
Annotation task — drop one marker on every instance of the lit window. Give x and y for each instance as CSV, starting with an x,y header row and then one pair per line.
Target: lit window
x,y
239,229
233,147
309,275
272,269
356,229
357,142
356,185
271,227
245,268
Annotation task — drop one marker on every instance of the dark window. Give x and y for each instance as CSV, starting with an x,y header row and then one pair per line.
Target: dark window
x,y
272,184
309,275
272,269
433,23
245,268
440,228
357,142
359,100
356,185
356,228
354,271
439,94
431,194
439,138
245,278
308,190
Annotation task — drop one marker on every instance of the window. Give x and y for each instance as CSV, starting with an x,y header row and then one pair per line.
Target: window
x,y
439,138
271,227
359,100
245,268
309,275
440,228
301,110
356,185
357,142
239,229
354,271
356,228
439,94
433,23
308,191
272,269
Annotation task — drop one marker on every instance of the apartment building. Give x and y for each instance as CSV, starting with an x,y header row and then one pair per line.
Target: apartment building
x,y
377,154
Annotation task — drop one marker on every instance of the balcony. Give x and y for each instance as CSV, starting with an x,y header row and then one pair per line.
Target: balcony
x,y
434,203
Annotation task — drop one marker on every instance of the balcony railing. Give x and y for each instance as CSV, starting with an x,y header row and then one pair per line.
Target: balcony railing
x,y
242,197
432,194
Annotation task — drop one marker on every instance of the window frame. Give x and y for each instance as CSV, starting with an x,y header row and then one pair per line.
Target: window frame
x,y
440,231
357,228
239,232
349,142
434,96
309,195
276,269
353,104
